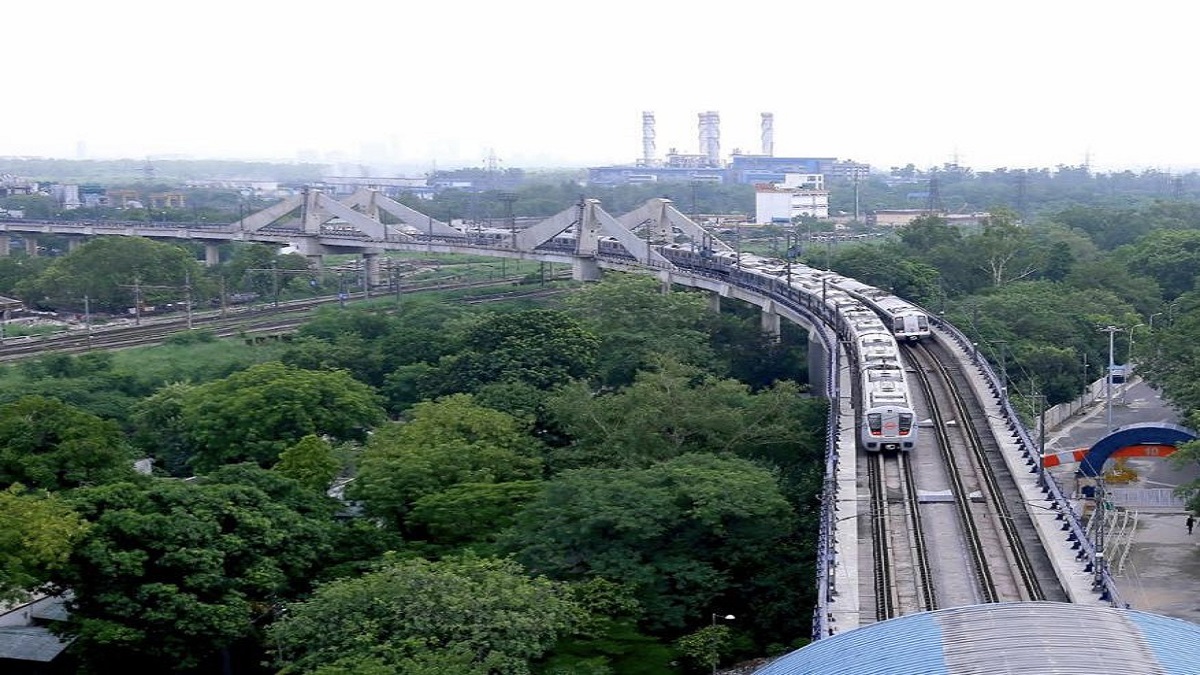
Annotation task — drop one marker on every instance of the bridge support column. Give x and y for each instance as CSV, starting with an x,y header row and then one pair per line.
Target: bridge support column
x,y
770,323
74,243
317,262
714,302
5,245
371,267
31,246
818,359
664,280
585,269
212,255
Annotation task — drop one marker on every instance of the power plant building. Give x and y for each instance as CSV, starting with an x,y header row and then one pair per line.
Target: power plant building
x,y
706,166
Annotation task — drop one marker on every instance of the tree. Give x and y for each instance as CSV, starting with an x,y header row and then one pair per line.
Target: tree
x,y
309,462
469,513
37,533
539,347
670,411
160,430
171,573
1048,327
682,533
47,444
1170,257
444,443
461,615
1003,250
106,270
636,322
258,413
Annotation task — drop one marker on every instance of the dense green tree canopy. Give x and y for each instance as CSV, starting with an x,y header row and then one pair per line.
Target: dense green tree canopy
x,y
310,462
258,413
1170,257
107,269
458,615
443,444
537,348
1045,330
170,573
38,531
45,443
671,411
681,532
635,321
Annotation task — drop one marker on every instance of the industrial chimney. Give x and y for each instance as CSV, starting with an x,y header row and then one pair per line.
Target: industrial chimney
x,y
768,134
710,137
647,138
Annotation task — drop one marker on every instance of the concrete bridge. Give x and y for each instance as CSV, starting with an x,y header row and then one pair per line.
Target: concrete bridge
x,y
317,225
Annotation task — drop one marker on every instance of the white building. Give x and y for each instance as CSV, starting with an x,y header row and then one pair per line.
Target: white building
x,y
798,195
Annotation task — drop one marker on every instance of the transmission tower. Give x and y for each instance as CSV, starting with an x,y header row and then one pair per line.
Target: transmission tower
x,y
507,198
934,203
1022,196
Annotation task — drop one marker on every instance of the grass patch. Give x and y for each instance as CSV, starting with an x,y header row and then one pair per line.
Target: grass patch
x,y
198,361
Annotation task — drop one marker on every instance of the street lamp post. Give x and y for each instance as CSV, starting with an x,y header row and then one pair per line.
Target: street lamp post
x,y
1108,378
716,653
1152,320
1132,329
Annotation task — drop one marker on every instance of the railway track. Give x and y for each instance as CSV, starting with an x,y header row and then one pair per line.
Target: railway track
x,y
990,533
903,577
245,321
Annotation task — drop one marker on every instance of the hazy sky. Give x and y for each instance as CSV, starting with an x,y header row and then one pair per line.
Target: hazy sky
x,y
1019,83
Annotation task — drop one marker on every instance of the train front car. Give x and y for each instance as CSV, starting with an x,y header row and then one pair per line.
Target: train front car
x,y
909,322
904,319
886,420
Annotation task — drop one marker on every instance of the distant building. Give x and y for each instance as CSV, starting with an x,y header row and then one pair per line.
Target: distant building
x,y
902,217
67,195
168,200
798,195
13,185
391,187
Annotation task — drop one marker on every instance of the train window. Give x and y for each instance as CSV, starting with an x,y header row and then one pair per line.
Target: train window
x,y
898,324
906,420
875,423
922,322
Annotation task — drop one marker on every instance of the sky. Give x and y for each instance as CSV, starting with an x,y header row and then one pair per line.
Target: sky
x,y
986,84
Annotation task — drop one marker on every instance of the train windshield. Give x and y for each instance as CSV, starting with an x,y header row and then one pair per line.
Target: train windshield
x,y
922,322
875,423
906,420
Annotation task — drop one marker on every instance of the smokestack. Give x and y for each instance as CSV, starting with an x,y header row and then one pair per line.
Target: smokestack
x,y
710,137
768,134
648,138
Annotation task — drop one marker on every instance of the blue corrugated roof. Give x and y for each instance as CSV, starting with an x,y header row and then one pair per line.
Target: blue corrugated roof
x,y
1018,638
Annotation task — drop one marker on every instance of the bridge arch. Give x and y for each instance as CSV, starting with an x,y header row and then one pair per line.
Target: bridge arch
x,y
1142,439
